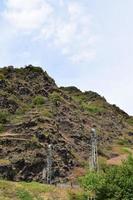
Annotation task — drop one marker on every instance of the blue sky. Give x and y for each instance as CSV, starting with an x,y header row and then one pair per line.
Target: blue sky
x,y
85,43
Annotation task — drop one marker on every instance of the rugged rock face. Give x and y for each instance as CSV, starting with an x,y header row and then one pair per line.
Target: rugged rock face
x,y
34,113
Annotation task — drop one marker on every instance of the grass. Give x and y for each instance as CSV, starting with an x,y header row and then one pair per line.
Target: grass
x,y
123,141
7,190
4,162
37,188
120,149
22,112
44,111
23,108
127,150
47,113
92,108
88,106
24,195
17,119
37,191
130,121
78,196
23,191
79,98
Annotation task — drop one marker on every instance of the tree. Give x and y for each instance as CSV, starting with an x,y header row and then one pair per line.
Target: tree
x,y
116,183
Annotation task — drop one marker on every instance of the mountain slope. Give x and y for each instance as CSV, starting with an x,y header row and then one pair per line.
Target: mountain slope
x,y
34,112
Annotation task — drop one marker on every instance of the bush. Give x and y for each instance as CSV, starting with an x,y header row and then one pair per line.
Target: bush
x,y
39,100
118,183
1,128
114,184
55,97
3,117
91,181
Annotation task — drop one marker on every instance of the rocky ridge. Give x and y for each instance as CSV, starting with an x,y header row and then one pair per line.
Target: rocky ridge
x,y
35,112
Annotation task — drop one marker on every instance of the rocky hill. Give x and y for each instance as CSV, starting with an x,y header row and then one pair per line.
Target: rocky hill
x,y
35,112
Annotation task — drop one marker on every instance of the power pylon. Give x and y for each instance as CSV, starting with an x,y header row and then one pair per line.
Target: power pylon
x,y
49,165
94,154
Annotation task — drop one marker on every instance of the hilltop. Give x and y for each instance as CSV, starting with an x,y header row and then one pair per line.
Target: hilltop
x,y
35,112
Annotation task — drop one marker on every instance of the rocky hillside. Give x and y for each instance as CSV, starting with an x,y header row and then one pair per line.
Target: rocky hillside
x,y
34,112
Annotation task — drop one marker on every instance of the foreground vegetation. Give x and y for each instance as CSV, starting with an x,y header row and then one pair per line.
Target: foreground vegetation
x,y
36,191
113,183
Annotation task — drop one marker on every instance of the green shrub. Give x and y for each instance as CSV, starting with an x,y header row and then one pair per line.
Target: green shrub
x,y
24,195
114,184
55,97
3,117
39,100
1,128
91,181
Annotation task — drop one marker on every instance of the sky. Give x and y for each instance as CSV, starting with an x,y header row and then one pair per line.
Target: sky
x,y
85,43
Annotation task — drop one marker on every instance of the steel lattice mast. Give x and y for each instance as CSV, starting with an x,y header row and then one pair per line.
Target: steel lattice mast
x,y
49,165
94,154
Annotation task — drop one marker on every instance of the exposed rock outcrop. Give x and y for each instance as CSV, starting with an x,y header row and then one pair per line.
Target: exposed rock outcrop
x,y
34,113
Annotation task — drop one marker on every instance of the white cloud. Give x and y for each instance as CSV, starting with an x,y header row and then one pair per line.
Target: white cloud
x,y
74,10
61,2
74,35
67,26
27,15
